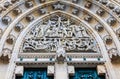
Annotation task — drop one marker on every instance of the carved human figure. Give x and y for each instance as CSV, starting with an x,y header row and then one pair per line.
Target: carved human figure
x,y
60,54
48,35
78,31
84,32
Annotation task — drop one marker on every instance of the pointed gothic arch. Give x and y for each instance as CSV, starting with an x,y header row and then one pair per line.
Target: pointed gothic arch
x,y
28,28
76,9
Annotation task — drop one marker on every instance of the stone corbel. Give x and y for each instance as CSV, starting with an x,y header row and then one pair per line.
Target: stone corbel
x,y
50,70
101,70
71,70
19,70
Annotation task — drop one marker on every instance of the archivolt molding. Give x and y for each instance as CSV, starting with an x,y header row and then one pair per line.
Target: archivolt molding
x,y
35,8
23,33
16,47
31,25
59,29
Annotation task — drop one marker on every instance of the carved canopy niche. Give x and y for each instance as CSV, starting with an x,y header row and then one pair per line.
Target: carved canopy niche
x,y
58,29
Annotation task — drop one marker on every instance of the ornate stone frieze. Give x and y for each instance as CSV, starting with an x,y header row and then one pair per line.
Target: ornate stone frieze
x,y
59,30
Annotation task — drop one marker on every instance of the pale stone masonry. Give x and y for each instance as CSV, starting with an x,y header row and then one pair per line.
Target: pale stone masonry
x,y
64,39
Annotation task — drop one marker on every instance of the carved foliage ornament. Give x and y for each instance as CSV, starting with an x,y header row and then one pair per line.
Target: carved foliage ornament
x,y
7,52
59,30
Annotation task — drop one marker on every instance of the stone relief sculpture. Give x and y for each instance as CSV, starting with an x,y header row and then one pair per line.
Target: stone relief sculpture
x,y
60,54
47,35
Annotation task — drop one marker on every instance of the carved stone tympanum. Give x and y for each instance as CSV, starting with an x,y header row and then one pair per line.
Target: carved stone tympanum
x,y
58,29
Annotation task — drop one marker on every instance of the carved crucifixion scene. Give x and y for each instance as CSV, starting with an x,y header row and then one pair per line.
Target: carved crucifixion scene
x,y
48,34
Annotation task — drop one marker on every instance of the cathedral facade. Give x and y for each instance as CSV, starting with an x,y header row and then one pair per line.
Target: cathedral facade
x,y
59,39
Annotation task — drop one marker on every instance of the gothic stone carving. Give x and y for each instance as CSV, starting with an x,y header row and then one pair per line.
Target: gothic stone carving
x,y
88,5
6,20
111,6
104,2
99,28
10,39
47,35
108,40
88,18
29,18
50,70
60,54
17,11
7,52
100,12
42,10
19,70
75,11
58,6
111,21
18,27
117,10
6,4
28,4
113,52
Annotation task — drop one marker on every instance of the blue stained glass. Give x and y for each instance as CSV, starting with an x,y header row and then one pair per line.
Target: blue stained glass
x,y
86,73
35,73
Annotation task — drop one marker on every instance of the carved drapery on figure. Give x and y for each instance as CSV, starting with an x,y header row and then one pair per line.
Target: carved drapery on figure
x,y
59,29
60,54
